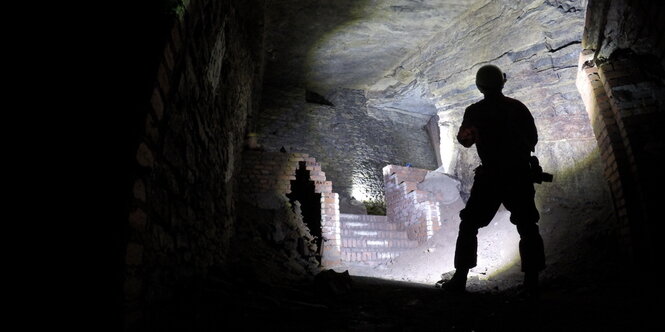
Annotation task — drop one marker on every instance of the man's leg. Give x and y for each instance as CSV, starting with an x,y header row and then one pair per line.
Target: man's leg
x,y
532,253
479,211
532,250
524,214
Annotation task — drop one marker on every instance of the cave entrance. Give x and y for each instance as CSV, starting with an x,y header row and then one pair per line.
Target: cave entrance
x,y
303,191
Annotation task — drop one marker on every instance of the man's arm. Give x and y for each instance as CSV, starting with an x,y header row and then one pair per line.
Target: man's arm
x,y
467,134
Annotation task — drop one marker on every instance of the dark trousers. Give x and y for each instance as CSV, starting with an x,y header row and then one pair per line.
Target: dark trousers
x,y
489,190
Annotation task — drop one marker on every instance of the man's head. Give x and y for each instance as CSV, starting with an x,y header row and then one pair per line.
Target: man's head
x,y
490,78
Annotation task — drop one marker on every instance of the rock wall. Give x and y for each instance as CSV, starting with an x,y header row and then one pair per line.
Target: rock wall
x,y
537,46
324,45
625,25
351,141
183,211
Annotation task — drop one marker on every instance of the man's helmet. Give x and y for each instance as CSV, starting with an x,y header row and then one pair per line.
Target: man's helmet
x,y
490,78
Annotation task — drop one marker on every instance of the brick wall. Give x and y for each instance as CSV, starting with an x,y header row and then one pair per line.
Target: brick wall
x,y
415,210
625,114
269,174
419,203
607,134
182,212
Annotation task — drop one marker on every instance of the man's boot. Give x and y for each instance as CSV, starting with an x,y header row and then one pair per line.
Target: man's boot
x,y
457,284
531,288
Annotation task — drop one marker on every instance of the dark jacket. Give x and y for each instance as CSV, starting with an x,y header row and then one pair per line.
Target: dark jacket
x,y
504,132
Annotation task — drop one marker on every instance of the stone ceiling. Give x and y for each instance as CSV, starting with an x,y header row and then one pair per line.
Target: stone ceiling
x,y
326,44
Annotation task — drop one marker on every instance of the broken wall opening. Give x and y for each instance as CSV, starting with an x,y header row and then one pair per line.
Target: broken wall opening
x,y
270,180
303,191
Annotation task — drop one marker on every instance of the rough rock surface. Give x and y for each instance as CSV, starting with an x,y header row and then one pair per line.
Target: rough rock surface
x,y
348,43
537,44
439,182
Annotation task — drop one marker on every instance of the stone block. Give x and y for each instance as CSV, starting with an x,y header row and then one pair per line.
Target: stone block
x,y
144,156
133,287
134,254
168,57
138,219
157,103
176,37
139,190
164,79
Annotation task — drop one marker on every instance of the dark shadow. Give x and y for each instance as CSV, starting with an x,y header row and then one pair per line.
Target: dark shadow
x,y
294,29
120,64
302,190
315,98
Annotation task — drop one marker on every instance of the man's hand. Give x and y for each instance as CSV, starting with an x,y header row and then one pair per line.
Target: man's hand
x,y
467,136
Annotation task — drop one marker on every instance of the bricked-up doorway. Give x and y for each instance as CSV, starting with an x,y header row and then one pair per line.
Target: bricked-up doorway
x,y
303,191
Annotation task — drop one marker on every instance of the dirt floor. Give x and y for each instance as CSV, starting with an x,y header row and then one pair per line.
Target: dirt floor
x,y
373,304
584,288
237,300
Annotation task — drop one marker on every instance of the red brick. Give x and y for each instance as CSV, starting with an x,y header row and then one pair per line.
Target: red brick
x,y
133,287
168,57
157,103
138,219
163,77
139,190
144,156
176,37
134,254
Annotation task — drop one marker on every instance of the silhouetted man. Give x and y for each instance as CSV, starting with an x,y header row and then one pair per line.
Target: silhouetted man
x,y
505,135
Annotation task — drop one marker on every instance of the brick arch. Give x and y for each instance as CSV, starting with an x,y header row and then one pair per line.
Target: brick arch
x,y
271,173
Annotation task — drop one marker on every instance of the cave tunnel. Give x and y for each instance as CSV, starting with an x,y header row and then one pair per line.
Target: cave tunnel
x,y
189,254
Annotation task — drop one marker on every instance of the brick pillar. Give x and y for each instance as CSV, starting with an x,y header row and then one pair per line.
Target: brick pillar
x,y
331,229
623,108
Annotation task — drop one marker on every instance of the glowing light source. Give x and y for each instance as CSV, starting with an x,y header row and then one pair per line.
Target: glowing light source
x,y
359,192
